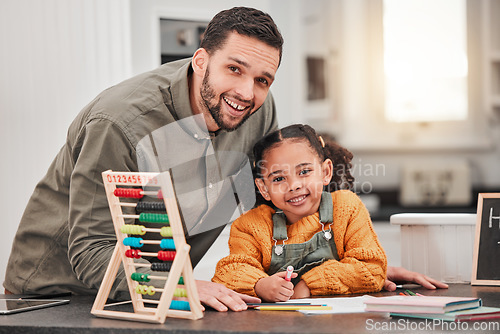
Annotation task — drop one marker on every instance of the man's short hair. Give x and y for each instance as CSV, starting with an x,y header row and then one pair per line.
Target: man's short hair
x,y
245,21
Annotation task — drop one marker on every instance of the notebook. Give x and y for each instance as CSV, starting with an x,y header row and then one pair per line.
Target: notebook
x,y
476,314
420,304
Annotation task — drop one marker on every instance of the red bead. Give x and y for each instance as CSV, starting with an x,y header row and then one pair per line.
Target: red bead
x,y
128,192
166,255
134,253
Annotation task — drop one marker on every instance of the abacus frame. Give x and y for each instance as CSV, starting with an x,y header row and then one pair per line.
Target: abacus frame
x,y
181,265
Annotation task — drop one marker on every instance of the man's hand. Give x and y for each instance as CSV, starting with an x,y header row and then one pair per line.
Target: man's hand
x,y
275,288
399,275
221,298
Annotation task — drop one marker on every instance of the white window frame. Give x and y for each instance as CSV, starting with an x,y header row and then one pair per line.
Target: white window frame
x,y
363,90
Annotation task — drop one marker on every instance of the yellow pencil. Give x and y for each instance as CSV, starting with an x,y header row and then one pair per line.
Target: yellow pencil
x,y
292,308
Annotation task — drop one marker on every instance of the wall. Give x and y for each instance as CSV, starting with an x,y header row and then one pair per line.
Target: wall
x,y
56,56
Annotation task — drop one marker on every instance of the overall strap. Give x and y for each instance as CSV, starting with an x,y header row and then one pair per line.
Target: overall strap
x,y
279,226
326,208
307,255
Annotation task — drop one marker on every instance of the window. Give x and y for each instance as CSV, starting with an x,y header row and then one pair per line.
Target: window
x,y
419,95
425,60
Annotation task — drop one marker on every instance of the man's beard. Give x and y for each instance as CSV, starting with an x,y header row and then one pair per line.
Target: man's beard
x,y
207,95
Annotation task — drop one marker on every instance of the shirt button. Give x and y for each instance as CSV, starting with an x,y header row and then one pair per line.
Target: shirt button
x,y
210,185
196,135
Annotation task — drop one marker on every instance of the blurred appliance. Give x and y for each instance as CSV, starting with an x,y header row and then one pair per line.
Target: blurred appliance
x,y
436,183
179,38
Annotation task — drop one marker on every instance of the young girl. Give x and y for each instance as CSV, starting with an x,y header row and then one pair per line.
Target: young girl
x,y
327,237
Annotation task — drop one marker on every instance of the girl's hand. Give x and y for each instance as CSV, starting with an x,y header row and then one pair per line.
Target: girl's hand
x,y
301,290
275,288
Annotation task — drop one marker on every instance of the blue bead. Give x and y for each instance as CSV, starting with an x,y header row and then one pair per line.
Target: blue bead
x,y
180,305
167,244
133,242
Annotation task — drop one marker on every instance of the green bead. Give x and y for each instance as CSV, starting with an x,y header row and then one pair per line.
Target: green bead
x,y
140,277
153,217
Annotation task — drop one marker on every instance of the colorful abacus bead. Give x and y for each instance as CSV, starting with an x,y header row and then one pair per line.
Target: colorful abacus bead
x,y
146,217
166,255
150,206
134,193
139,242
166,231
133,253
133,242
162,255
180,305
133,229
144,289
128,193
140,277
180,292
161,266
167,244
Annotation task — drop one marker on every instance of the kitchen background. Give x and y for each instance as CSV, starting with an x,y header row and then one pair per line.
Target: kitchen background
x,y
413,152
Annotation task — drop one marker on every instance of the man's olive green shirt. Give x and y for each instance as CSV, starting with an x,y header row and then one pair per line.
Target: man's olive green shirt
x,y
66,236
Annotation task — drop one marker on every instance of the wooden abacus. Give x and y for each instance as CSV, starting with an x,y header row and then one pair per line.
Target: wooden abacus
x,y
175,259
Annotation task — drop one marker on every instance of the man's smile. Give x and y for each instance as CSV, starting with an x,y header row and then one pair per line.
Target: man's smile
x,y
235,109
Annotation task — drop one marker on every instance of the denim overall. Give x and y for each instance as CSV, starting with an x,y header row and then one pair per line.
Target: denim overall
x,y
305,256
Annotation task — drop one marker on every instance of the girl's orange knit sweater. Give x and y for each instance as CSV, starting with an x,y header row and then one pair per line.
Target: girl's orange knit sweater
x,y
362,266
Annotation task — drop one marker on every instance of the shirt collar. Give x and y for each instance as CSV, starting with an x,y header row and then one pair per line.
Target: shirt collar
x,y
180,91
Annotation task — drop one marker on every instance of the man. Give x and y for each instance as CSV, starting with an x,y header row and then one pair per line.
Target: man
x,y
65,238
